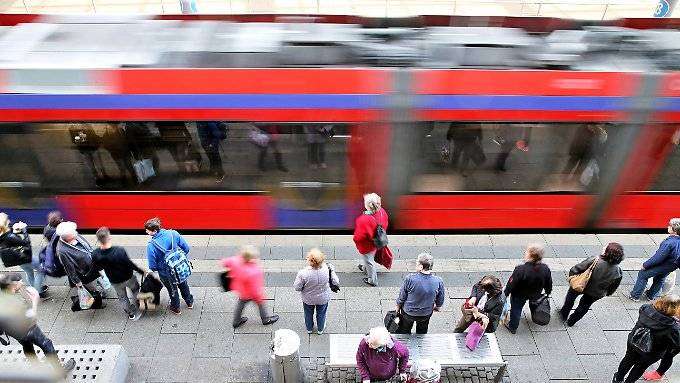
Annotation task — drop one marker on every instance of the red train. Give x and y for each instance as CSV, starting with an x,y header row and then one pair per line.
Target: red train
x,y
295,148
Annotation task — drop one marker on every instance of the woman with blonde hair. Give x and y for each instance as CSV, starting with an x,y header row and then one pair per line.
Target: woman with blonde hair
x,y
365,228
313,283
655,334
381,357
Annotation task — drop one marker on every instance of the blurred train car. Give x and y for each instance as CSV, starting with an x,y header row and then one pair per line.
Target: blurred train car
x,y
212,124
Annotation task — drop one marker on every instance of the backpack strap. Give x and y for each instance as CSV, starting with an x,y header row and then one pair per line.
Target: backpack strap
x,y
158,246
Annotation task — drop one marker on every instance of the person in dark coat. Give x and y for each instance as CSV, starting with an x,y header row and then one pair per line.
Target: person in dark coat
x,y
17,236
176,138
211,133
486,299
466,139
527,283
659,318
664,365
604,280
511,137
586,145
663,262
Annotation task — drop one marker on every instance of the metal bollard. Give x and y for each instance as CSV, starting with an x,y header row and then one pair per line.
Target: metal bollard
x,y
285,357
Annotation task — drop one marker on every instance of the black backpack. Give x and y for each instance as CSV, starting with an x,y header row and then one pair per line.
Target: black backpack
x,y
380,236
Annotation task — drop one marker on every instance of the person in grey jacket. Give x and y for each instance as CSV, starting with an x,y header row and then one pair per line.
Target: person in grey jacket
x,y
420,295
313,284
604,280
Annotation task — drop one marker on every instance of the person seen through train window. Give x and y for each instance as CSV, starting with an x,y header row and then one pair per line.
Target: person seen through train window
x,y
317,136
510,137
274,133
467,146
586,146
211,134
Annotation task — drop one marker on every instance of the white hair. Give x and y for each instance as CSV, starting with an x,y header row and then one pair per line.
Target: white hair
x,y
674,223
372,202
378,337
426,260
67,228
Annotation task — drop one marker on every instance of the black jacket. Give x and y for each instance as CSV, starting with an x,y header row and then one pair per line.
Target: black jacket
x,y
604,280
77,260
493,307
665,331
116,264
529,280
10,239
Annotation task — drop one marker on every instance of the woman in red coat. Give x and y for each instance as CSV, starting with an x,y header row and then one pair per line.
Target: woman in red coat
x,y
247,281
364,231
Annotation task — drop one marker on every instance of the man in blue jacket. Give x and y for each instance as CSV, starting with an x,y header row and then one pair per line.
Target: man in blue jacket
x,y
664,262
156,258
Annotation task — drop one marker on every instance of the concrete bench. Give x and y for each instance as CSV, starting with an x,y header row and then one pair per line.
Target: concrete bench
x,y
101,363
447,349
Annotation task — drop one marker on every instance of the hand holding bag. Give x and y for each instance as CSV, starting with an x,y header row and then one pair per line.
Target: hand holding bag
x,y
579,282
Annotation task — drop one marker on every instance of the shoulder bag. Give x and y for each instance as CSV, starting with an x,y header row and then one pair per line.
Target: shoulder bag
x,y
578,282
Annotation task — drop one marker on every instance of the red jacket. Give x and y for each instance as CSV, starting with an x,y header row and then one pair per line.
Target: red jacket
x,y
247,278
364,230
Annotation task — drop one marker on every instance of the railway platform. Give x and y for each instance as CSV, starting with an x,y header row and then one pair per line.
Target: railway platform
x,y
200,345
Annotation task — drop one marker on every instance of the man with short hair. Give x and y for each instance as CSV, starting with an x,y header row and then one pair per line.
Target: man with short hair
x,y
663,262
420,295
117,265
11,283
160,242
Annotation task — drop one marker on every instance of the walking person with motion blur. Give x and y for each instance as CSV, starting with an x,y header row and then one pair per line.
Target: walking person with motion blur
x,y
527,283
11,283
665,261
485,305
380,357
313,282
117,265
605,278
655,334
373,217
162,244
15,245
421,294
247,281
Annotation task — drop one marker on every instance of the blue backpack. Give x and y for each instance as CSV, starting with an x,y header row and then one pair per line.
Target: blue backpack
x,y
176,260
49,260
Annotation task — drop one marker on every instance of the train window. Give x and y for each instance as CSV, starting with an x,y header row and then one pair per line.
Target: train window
x,y
511,156
667,178
175,156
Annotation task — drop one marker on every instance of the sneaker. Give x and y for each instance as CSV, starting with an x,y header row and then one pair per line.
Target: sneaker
x,y
69,365
175,311
190,306
368,283
616,379
563,317
652,376
309,332
272,319
361,268
240,322
44,288
632,298
135,317
319,332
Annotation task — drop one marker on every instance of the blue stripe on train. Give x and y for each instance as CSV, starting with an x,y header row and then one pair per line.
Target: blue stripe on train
x,y
503,102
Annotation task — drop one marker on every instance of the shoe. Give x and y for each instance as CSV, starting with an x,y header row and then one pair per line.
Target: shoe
x,y
361,268
174,310
563,317
45,296
69,365
319,332
632,298
44,289
309,332
271,319
219,179
652,376
647,296
509,329
616,379
368,283
135,317
190,306
241,322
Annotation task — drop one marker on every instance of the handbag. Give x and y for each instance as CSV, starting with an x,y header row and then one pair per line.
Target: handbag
x,y
334,287
391,321
15,256
540,310
475,332
225,281
590,173
578,282
85,299
384,257
380,236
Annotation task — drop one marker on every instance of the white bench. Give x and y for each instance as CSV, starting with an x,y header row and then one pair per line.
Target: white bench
x,y
447,349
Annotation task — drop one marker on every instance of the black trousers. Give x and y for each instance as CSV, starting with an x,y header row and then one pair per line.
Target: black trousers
x,y
407,321
666,362
635,364
35,337
581,310
316,153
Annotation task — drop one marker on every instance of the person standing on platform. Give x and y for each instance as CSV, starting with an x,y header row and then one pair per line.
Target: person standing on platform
x,y
313,283
162,241
527,283
247,281
421,294
605,279
364,231
663,262
118,267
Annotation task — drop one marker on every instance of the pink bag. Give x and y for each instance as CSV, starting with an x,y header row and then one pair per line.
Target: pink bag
x,y
474,335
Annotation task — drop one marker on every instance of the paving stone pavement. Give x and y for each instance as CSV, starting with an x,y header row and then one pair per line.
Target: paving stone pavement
x,y
201,346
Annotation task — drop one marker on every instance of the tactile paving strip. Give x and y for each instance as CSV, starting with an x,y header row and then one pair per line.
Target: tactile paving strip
x,y
94,363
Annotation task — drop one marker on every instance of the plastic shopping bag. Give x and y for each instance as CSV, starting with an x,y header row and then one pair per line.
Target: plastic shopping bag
x,y
505,314
85,298
474,335
104,282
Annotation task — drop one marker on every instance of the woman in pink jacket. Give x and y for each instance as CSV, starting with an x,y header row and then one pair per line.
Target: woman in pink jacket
x,y
247,281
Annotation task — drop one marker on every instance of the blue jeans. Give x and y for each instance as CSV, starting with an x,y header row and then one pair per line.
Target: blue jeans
x,y
516,306
659,273
34,278
174,293
320,316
